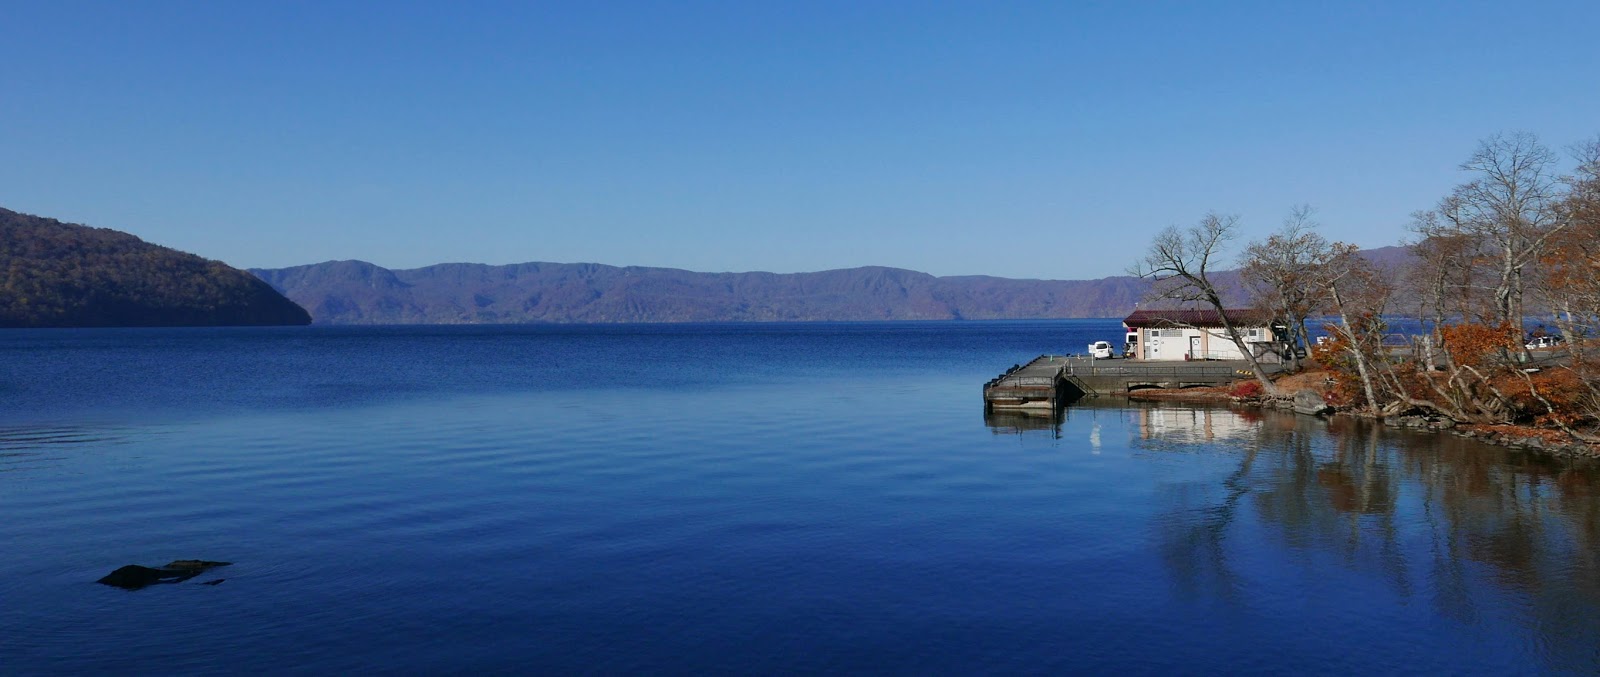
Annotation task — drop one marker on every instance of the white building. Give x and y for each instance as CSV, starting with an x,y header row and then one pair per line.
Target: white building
x,y
1198,335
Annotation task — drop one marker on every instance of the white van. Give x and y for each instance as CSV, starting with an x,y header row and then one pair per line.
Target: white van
x,y
1543,342
1102,350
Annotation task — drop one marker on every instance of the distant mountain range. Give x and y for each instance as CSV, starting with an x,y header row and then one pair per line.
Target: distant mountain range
x,y
55,274
356,292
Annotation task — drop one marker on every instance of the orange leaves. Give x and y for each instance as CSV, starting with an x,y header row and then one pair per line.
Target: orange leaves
x,y
1567,397
1478,345
1334,355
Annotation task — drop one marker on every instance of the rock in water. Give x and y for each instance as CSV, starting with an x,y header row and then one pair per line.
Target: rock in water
x,y
1310,403
134,576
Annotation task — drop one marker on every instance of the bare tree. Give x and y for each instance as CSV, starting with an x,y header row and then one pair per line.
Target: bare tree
x,y
1180,262
1444,283
1568,285
1505,214
1284,274
1358,295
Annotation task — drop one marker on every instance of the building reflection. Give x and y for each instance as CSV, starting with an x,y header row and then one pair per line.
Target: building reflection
x,y
1191,424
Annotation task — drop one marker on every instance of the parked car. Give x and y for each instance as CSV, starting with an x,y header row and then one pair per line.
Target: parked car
x,y
1538,342
1102,350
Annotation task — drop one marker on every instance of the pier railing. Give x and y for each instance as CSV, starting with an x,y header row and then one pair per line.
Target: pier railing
x,y
1154,370
1019,376
1026,381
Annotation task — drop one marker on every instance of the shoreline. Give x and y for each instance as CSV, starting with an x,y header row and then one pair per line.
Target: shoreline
x,y
1547,441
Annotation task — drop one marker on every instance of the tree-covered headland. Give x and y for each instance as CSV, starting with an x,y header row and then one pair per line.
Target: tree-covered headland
x,y
1511,253
55,274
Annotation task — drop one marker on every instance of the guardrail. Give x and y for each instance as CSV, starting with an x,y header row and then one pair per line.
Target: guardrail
x,y
1022,381
1013,378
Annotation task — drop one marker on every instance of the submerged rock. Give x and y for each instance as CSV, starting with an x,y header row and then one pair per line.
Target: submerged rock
x,y
134,576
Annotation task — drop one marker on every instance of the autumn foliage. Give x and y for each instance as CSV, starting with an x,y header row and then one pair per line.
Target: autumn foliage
x,y
1334,356
1479,346
1516,240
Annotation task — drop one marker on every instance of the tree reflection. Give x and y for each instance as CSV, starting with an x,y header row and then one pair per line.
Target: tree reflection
x,y
1462,523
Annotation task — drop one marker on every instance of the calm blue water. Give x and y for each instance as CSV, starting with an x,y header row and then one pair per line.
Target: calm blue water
x,y
743,498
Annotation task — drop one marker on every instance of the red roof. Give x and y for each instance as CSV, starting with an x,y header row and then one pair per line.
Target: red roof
x,y
1194,318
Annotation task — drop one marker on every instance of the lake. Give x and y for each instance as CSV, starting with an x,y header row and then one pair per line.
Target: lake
x,y
770,498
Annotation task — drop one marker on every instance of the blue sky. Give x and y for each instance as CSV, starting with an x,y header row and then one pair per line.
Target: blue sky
x,y
1045,140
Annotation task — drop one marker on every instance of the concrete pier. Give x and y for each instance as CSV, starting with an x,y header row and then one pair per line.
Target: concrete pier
x,y
1049,381
1035,385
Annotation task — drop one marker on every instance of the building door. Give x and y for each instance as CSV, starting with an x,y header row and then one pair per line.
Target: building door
x,y
1194,348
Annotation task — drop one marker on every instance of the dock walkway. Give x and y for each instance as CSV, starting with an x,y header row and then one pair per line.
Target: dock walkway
x,y
1049,381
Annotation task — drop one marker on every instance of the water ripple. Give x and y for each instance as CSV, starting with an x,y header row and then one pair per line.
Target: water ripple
x,y
830,519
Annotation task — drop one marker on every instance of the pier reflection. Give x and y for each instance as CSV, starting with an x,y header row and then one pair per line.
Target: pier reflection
x,y
1451,522
1020,421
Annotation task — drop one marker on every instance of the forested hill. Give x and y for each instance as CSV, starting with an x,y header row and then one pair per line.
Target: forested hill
x,y
355,292
55,274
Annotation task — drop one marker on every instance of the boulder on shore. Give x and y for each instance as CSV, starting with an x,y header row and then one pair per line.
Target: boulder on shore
x,y
1310,403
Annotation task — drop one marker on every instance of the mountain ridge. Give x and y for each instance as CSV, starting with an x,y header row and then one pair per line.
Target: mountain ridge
x,y
359,292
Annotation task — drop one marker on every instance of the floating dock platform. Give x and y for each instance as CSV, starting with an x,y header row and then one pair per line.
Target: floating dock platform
x,y
1038,384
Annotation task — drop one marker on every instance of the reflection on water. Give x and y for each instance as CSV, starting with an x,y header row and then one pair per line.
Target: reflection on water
x,y
1184,424
1438,519
1019,421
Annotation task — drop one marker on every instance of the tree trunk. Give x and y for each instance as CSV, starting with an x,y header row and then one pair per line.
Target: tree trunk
x,y
1267,385
1355,352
